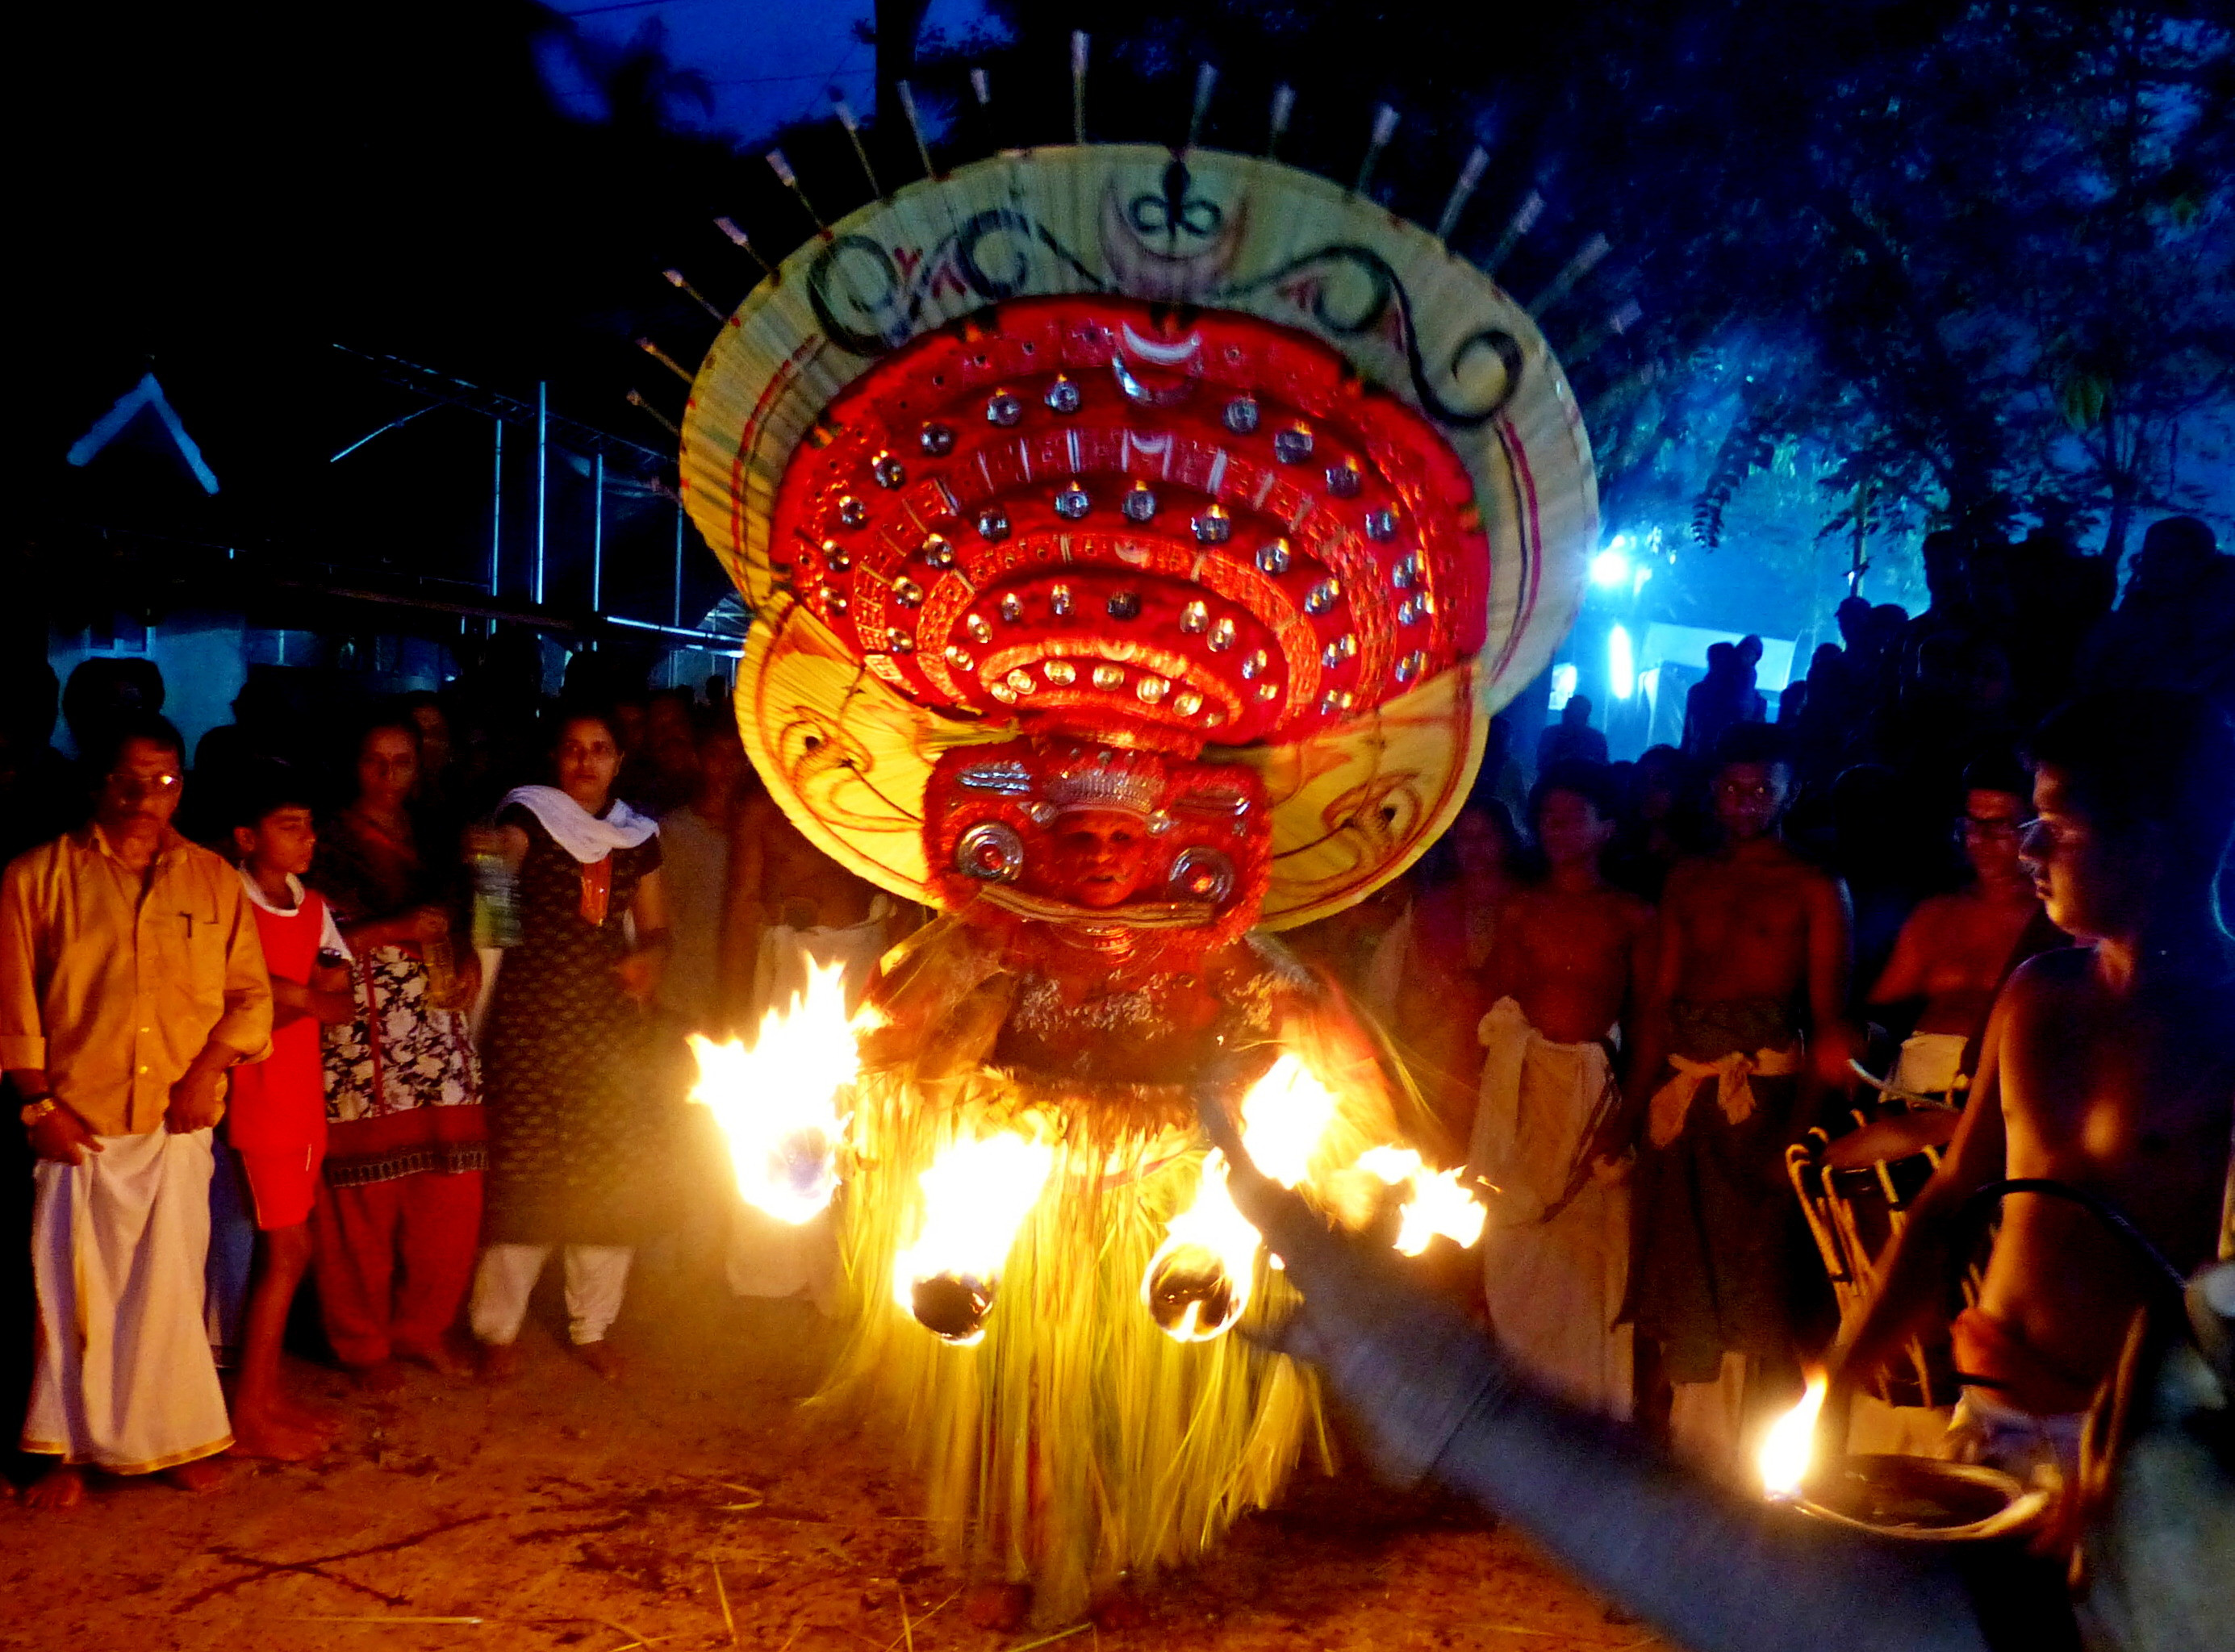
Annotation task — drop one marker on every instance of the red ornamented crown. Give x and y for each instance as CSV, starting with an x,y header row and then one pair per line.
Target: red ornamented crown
x,y
1121,520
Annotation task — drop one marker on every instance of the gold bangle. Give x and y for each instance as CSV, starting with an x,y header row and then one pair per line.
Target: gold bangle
x,y
37,1110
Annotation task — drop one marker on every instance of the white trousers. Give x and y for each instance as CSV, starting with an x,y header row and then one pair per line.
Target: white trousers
x,y
597,1277
125,1380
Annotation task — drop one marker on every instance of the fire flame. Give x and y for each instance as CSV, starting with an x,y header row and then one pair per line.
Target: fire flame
x,y
976,1195
1199,1281
1791,1443
779,1101
1436,1204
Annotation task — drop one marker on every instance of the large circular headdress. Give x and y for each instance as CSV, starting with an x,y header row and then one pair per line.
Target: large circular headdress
x,y
1198,457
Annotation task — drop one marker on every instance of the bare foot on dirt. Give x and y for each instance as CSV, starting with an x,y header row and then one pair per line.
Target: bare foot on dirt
x,y
61,1487
999,1607
500,1362
440,1358
206,1475
601,1358
270,1435
385,1378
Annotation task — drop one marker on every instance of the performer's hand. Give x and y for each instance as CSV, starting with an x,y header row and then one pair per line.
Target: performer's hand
x,y
63,1138
197,1100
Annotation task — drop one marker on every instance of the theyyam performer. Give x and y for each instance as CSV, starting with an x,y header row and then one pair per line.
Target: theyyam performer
x,y
1137,544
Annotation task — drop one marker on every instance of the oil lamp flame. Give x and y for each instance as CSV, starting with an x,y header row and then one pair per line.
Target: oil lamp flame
x,y
1436,1205
1200,1279
976,1196
779,1101
1790,1444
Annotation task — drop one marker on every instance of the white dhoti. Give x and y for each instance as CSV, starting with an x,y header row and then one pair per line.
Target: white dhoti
x,y
125,1382
767,1258
1556,1250
1932,1064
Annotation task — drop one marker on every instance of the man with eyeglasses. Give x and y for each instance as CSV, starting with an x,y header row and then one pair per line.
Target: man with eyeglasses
x,y
1740,1027
2108,1066
1956,950
131,979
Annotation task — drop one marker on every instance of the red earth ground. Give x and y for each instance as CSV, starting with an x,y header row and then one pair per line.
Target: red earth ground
x,y
560,1511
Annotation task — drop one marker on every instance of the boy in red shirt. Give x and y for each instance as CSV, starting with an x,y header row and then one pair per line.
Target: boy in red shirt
x,y
276,1120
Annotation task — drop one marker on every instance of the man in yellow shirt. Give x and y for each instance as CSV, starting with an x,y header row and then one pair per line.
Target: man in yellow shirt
x,y
130,979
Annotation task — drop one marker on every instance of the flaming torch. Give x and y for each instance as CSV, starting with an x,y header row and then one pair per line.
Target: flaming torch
x,y
1198,1283
976,1195
777,1102
1436,1205
1791,1442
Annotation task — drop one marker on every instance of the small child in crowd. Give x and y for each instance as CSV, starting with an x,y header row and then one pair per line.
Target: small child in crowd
x,y
277,1121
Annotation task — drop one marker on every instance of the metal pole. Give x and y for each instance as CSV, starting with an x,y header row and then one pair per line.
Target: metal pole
x,y
677,618
542,461
598,533
496,508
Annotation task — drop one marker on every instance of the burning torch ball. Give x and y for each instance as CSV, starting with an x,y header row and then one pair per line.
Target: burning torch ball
x,y
1191,1295
952,1307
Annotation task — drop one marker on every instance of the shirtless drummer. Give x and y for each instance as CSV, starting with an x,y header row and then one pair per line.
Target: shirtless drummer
x,y
1741,1029
2108,1065
1956,949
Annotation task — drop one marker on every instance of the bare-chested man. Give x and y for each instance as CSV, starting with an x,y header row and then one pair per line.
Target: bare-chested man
x,y
1561,973
790,906
1740,1027
1956,950
2108,1067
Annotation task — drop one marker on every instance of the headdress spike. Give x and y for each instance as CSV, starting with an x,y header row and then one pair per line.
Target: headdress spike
x,y
1384,127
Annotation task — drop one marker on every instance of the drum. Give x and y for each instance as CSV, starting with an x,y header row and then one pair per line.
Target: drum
x,y
1856,1193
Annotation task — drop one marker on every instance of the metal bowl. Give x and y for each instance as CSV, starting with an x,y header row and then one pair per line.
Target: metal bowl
x,y
1922,1499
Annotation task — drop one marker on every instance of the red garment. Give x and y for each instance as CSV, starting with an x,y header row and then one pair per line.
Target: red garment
x,y
278,1104
283,1184
394,1259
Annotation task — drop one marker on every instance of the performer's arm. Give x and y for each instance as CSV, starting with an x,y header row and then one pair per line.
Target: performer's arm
x,y
1711,1567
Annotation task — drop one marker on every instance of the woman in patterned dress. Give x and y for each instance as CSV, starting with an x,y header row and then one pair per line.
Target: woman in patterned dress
x,y
577,1137
396,1230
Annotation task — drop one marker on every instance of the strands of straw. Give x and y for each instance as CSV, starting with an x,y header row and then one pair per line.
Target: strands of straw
x,y
722,1594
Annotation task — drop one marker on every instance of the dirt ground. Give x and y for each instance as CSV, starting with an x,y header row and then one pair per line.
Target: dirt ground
x,y
560,1511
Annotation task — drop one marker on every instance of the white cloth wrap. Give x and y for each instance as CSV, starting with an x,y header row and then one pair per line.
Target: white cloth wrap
x,y
767,1258
1554,1283
125,1382
587,837
1929,1063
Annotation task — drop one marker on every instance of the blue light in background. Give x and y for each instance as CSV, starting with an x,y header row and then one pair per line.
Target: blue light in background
x,y
1622,664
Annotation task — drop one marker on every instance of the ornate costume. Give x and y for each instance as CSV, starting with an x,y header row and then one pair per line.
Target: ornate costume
x,y
1137,545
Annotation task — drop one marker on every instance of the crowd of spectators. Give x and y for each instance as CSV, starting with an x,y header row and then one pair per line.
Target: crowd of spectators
x,y
485,916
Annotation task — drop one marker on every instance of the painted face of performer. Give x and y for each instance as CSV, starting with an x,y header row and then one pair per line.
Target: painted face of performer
x,y
1099,858
587,758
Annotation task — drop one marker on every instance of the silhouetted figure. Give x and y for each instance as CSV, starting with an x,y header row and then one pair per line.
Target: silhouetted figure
x,y
1571,739
1721,701
2175,628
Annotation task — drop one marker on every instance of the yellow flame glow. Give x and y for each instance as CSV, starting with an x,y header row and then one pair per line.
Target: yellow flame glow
x,y
1436,1203
779,1101
1285,1117
976,1195
1791,1443
1213,1225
